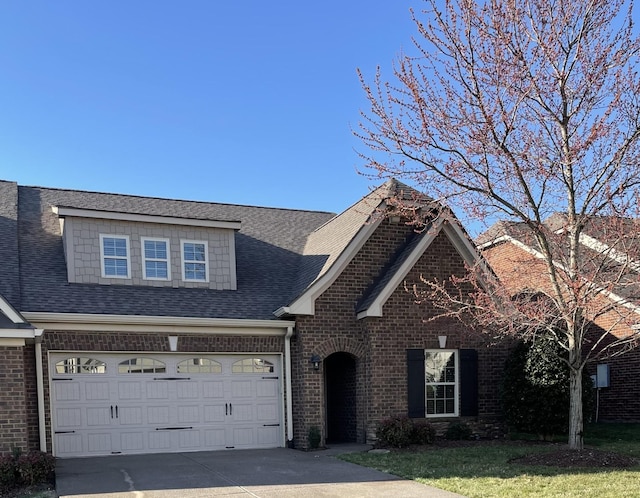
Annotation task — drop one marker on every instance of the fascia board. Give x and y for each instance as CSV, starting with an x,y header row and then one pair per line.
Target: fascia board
x,y
20,333
305,303
619,300
166,324
11,312
603,248
144,218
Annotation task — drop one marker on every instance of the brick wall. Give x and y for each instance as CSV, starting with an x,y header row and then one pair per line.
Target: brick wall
x,y
620,401
13,424
379,344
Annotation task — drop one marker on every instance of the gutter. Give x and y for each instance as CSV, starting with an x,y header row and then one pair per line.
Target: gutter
x,y
40,390
287,367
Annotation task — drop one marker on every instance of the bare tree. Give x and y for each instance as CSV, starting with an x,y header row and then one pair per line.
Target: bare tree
x,y
516,110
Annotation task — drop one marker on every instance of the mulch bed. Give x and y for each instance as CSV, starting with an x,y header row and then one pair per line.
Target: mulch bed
x,y
586,458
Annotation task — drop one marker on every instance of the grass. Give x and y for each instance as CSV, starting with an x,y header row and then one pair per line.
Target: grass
x,y
484,470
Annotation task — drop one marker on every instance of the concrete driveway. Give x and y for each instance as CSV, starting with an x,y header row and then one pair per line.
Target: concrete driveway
x,y
273,473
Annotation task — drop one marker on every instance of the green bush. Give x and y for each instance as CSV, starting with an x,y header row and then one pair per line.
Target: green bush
x,y
314,438
458,431
29,469
535,391
401,431
8,476
423,432
396,432
35,467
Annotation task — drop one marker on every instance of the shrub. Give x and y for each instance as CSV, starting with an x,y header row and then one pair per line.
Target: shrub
x,y
8,476
314,437
35,467
423,432
458,431
535,391
396,432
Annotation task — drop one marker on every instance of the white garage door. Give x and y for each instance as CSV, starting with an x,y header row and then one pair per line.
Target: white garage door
x,y
104,403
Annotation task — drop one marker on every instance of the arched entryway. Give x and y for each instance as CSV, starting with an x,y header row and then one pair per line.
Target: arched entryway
x,y
340,385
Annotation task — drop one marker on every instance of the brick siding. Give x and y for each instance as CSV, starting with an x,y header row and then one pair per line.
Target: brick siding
x,y
13,425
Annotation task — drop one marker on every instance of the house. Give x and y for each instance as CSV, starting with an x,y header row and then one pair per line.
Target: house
x,y
140,325
610,247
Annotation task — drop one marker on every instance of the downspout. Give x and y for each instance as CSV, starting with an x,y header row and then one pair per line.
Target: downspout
x,y
287,366
40,390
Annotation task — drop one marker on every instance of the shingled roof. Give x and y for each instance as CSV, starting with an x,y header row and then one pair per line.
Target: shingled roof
x,y
279,253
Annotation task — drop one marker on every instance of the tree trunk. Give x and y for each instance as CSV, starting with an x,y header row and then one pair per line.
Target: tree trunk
x,y
576,421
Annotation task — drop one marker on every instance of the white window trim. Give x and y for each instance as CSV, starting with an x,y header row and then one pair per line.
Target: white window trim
x,y
456,397
102,255
145,259
206,260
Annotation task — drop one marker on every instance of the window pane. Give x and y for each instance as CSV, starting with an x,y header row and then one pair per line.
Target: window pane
x,y
199,365
156,269
115,267
195,271
114,247
252,365
141,365
81,365
194,252
155,249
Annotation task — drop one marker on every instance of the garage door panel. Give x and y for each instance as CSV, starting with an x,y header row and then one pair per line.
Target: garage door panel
x,y
157,389
97,391
158,414
132,441
130,415
99,442
129,390
241,388
98,416
209,405
189,414
69,417
213,413
67,391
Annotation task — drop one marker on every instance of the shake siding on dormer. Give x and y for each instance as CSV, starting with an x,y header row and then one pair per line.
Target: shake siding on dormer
x,y
81,239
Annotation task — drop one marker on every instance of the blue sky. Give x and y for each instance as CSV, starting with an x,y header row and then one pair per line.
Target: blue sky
x,y
247,102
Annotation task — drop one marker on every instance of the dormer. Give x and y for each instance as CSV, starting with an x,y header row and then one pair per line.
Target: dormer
x,y
120,248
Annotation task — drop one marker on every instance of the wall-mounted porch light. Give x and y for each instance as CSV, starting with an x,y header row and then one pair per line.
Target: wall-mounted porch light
x,y
315,360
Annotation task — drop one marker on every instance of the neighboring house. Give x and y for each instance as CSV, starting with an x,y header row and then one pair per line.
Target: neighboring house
x,y
138,325
610,248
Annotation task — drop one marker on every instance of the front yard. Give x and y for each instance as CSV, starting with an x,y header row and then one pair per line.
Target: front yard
x,y
490,469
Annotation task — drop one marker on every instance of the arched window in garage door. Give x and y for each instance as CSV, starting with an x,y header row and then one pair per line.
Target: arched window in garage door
x,y
81,365
198,365
252,365
141,365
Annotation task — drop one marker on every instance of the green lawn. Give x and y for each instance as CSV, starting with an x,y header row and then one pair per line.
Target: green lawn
x,y
484,471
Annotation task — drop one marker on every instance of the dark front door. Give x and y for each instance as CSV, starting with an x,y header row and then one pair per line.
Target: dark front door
x,y
340,382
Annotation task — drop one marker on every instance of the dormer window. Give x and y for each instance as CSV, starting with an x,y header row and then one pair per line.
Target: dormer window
x,y
195,261
114,254
156,253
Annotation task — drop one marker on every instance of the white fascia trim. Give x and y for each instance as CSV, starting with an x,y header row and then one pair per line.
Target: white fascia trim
x,y
614,297
145,218
458,239
305,304
142,323
10,312
20,333
375,309
603,248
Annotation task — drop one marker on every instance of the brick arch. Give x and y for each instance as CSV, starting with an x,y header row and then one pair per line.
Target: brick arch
x,y
341,345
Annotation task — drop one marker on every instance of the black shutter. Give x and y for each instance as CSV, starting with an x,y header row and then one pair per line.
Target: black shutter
x,y
468,382
415,382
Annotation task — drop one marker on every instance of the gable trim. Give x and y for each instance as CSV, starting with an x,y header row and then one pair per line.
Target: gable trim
x,y
10,312
305,303
165,324
458,239
144,218
619,300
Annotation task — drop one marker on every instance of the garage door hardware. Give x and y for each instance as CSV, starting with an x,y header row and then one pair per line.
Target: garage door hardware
x,y
64,432
172,378
61,379
276,377
172,428
270,425
228,410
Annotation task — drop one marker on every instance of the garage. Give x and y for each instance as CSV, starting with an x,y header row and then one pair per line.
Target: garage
x,y
127,403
